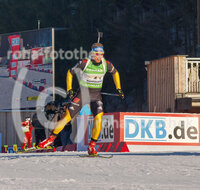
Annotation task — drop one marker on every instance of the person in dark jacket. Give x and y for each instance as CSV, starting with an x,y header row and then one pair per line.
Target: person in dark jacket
x,y
39,130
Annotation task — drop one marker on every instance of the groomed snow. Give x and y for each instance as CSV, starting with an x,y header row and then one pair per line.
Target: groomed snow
x,y
66,170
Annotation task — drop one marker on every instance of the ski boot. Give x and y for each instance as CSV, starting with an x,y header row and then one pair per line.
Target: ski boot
x,y
23,146
91,148
47,142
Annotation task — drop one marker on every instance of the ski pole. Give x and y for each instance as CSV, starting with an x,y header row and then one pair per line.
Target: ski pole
x,y
109,94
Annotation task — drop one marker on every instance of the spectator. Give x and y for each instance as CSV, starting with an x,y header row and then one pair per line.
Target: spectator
x,y
39,130
27,128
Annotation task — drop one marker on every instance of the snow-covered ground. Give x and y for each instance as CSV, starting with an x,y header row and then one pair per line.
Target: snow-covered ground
x,y
66,170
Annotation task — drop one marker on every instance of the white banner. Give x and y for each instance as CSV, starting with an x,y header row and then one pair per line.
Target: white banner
x,y
161,129
107,130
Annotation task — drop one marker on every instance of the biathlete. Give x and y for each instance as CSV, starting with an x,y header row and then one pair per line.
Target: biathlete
x,y
93,71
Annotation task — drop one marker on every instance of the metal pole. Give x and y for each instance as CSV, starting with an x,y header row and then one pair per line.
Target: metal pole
x,y
100,35
187,90
38,24
109,94
53,61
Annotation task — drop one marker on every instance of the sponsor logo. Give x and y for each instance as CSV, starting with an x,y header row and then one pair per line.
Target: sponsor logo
x,y
161,129
76,100
33,98
14,56
15,41
13,64
107,129
13,72
94,70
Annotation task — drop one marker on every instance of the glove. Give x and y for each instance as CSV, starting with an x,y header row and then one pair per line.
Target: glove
x,y
70,94
121,94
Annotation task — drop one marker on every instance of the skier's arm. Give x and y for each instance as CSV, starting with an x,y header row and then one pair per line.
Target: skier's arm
x,y
116,79
69,79
111,69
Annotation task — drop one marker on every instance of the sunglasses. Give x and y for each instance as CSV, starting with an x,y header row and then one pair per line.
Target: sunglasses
x,y
98,54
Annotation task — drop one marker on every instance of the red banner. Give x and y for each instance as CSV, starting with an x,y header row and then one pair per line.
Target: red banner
x,y
15,46
37,56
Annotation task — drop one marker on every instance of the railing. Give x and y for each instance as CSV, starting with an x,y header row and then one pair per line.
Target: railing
x,y
194,87
193,75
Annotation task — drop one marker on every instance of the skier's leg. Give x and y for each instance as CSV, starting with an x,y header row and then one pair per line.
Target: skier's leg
x,y
29,139
24,142
61,124
59,127
95,133
71,111
97,126
97,110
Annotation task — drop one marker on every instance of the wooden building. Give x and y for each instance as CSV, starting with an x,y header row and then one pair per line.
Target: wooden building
x,y
174,84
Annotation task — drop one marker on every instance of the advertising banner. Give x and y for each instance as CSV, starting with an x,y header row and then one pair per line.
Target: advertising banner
x,y
147,129
159,129
37,56
148,132
14,41
107,129
26,68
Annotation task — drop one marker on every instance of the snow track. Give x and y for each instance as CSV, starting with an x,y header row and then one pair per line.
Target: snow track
x,y
66,170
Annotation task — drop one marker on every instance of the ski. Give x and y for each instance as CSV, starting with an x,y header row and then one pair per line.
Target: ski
x,y
37,150
96,156
26,150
